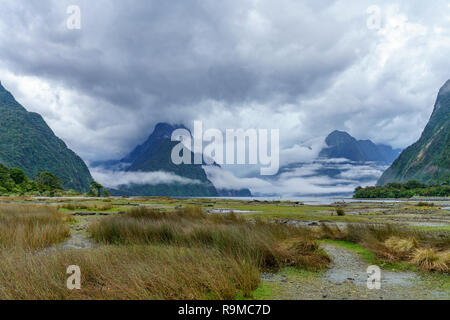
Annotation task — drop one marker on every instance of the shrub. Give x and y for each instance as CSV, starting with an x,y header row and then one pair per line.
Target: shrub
x,y
425,204
430,260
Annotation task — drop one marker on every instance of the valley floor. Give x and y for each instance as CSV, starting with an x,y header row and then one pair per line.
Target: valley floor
x,y
344,278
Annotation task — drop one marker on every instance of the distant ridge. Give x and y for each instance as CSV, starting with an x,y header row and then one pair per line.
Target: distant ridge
x,y
342,145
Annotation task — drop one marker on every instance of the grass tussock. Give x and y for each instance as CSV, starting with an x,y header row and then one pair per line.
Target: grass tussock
x,y
31,226
266,245
431,260
81,206
394,243
425,204
131,272
402,246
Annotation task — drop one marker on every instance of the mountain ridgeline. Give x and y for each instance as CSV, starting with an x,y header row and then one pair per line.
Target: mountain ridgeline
x,y
342,145
427,160
27,142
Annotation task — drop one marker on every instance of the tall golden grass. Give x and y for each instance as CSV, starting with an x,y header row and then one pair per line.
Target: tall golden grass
x,y
149,254
81,206
131,272
268,245
31,226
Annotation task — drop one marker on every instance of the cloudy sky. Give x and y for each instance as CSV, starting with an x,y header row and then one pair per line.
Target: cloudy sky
x,y
372,68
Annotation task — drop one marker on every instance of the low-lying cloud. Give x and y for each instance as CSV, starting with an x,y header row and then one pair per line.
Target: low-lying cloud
x,y
114,179
321,177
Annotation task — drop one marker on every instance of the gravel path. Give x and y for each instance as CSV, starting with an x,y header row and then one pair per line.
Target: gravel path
x,y
78,237
347,279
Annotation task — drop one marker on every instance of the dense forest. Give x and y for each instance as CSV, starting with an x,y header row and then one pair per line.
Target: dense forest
x,y
409,189
14,181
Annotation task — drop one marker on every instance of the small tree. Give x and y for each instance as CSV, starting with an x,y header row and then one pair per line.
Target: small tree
x,y
96,189
48,181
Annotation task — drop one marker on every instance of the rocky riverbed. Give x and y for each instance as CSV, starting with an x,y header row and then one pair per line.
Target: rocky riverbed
x,y
347,280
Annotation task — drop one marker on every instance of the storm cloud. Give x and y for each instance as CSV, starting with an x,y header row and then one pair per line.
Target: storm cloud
x,y
305,67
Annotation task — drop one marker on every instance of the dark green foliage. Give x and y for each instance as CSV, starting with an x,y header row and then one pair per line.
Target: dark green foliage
x,y
7,184
27,142
428,160
14,181
407,190
18,175
425,204
340,212
97,190
48,181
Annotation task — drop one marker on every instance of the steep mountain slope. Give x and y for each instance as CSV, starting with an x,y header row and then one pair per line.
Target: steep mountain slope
x,y
342,145
427,160
28,143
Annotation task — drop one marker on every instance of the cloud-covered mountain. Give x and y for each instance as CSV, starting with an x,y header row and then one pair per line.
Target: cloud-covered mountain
x,y
26,142
148,170
342,145
342,165
427,160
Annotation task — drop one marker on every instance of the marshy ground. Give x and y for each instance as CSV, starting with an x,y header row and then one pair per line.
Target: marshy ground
x,y
164,248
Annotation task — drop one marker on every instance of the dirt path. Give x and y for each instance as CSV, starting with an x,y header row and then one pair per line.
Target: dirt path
x,y
347,279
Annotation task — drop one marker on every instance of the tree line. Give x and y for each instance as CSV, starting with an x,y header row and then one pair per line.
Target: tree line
x,y
15,181
409,189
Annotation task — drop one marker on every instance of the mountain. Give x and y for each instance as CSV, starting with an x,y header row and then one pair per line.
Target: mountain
x,y
234,193
427,160
340,167
27,142
342,145
155,155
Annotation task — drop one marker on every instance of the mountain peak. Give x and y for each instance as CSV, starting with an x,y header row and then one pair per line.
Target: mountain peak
x,y
445,88
340,144
161,133
428,159
6,98
339,133
339,137
164,129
